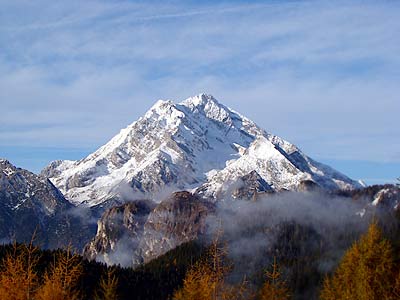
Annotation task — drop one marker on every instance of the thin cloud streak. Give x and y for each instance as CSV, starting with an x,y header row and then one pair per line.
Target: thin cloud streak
x,y
129,18
322,75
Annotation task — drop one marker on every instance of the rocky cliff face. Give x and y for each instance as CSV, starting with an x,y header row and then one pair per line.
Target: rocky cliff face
x,y
29,204
139,231
119,232
176,220
388,196
246,187
382,196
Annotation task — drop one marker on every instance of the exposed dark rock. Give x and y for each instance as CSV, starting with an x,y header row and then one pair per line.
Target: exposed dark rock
x,y
252,185
308,186
178,219
140,231
31,205
119,232
51,170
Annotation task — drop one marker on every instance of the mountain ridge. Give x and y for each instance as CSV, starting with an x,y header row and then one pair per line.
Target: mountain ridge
x,y
197,144
31,207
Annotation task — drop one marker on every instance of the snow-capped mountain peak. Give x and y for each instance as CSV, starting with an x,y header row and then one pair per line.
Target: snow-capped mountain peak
x,y
198,143
209,106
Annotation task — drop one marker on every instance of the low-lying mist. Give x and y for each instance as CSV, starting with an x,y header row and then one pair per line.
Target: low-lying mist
x,y
306,232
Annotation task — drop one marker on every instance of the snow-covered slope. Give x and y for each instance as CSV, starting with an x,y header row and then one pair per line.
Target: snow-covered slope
x,y
283,170
198,143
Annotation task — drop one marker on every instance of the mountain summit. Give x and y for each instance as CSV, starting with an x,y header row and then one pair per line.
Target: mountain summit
x,y
198,144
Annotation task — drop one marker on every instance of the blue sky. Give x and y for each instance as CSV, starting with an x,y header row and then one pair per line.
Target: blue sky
x,y
321,74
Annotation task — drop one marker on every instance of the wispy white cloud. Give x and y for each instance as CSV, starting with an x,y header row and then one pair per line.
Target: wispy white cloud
x,y
322,74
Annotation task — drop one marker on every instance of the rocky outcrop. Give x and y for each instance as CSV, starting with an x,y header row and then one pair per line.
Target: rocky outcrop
x,y
308,186
176,220
119,232
388,196
250,186
140,231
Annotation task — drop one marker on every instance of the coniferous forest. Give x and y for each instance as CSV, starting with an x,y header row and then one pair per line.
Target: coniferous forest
x,y
368,269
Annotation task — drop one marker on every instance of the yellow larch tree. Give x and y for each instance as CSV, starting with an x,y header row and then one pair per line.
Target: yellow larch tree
x,y
108,287
60,282
274,287
18,277
206,279
365,272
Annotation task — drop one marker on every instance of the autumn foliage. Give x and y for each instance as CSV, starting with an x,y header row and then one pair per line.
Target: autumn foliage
x,y
274,287
369,270
108,287
55,274
18,278
366,272
206,279
61,280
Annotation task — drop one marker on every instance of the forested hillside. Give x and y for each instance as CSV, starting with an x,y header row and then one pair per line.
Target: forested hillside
x,y
369,269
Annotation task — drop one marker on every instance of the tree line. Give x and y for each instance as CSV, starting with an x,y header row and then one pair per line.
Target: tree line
x,y
369,269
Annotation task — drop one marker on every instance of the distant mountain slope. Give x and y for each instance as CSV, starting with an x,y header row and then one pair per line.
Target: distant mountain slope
x,y
140,231
29,204
198,143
